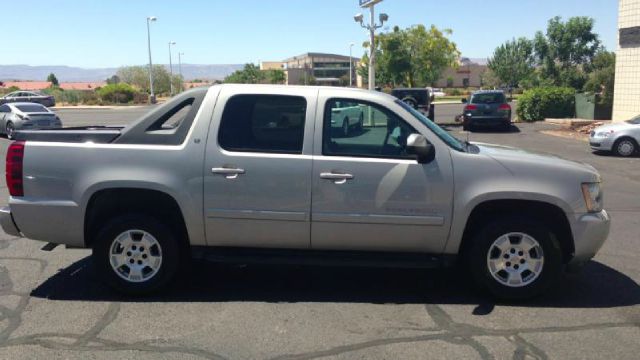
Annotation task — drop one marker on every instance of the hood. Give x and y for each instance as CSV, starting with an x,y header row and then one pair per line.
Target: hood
x,y
616,127
518,160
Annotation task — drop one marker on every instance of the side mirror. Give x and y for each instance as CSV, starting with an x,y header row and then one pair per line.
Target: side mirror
x,y
464,100
418,145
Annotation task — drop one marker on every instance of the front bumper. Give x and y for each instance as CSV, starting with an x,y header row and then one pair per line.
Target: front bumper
x,y
7,223
601,143
590,230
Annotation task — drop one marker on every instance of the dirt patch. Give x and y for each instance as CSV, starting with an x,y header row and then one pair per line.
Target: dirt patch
x,y
579,132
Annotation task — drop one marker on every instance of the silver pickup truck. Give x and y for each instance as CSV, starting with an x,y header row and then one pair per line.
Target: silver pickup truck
x,y
244,173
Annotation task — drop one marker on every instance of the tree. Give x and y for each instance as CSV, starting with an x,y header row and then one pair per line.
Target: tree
x,y
53,80
566,50
138,76
113,80
275,76
513,62
250,74
602,76
413,57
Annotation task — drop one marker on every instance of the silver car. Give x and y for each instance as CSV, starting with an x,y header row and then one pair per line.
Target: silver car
x,y
28,96
26,116
621,138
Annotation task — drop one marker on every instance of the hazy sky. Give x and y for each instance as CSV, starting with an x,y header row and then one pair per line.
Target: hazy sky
x,y
111,33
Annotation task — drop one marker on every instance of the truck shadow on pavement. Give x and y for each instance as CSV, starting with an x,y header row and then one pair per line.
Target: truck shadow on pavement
x,y
597,286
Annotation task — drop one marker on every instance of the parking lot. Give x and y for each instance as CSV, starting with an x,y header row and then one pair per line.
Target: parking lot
x,y
52,306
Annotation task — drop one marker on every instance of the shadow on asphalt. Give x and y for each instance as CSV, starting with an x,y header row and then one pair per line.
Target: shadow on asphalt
x,y
597,286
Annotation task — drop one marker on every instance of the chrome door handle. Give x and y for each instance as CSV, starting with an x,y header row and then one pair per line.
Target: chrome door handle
x,y
229,173
337,178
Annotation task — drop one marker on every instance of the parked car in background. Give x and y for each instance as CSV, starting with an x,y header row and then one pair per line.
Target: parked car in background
x,y
418,98
486,108
622,139
28,96
256,173
347,116
26,116
437,92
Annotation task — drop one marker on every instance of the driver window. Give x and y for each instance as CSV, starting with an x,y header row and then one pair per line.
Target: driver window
x,y
362,129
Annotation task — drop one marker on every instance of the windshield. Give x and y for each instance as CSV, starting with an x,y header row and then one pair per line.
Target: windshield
x,y
31,108
440,132
488,98
634,121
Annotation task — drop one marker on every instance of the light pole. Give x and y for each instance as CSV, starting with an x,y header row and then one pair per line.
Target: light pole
x,y
171,68
152,97
359,18
180,70
351,65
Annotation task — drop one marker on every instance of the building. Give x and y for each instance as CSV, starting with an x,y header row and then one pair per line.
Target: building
x,y
319,68
271,65
469,73
626,100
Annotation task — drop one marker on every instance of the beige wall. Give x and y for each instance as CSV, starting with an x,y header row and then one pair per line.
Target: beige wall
x,y
472,72
271,65
626,101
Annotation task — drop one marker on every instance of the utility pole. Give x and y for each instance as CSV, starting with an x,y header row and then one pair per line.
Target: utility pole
x,y
359,18
171,68
152,96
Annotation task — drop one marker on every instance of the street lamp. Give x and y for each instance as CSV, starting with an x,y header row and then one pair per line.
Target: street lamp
x,y
171,68
152,97
359,18
180,70
351,65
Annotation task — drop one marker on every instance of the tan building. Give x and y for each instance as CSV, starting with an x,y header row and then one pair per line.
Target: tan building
x,y
320,68
271,65
468,74
626,101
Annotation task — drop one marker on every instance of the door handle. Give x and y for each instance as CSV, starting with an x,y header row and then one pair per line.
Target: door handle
x,y
337,178
229,173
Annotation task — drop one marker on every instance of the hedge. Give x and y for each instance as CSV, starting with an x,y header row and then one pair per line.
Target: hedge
x,y
117,93
547,102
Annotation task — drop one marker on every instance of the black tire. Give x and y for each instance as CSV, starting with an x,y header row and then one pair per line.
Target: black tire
x,y
466,127
411,102
361,122
506,127
477,257
9,130
621,146
170,250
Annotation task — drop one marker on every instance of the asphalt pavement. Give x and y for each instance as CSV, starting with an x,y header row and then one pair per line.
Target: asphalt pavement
x,y
53,307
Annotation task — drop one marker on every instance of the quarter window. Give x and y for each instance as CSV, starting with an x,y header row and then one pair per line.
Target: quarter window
x,y
362,129
263,123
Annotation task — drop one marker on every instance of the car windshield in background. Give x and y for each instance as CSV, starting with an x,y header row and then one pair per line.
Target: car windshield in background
x,y
31,108
440,132
488,98
634,121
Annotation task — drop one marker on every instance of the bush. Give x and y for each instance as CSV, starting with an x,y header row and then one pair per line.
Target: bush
x,y
547,102
117,93
70,97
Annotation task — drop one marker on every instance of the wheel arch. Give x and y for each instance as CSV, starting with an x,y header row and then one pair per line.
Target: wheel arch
x,y
546,212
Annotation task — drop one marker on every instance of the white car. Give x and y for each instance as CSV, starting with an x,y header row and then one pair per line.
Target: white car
x,y
437,92
621,138
347,116
26,116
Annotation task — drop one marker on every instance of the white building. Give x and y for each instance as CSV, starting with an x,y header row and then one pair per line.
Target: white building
x,y
626,101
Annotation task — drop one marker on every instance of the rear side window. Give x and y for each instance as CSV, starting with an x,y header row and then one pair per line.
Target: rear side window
x,y
263,123
488,98
31,108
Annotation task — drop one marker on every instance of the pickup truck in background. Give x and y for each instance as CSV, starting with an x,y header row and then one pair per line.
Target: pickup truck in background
x,y
243,173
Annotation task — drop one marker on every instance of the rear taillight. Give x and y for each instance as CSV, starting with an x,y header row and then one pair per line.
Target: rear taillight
x,y
470,107
504,107
13,168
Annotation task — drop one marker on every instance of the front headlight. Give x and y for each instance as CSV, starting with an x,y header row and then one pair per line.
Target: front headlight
x,y
605,134
592,196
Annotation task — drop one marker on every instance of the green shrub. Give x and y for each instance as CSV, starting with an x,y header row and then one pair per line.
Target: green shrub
x,y
70,97
116,93
547,102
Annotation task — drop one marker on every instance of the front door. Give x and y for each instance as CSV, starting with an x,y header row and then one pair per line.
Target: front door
x,y
369,193
258,167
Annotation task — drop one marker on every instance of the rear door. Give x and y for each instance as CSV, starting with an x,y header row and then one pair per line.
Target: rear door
x,y
258,168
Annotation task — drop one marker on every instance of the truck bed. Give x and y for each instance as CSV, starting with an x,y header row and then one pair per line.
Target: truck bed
x,y
95,134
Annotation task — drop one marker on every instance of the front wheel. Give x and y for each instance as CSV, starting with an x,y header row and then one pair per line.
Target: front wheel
x,y
10,130
625,147
515,258
136,254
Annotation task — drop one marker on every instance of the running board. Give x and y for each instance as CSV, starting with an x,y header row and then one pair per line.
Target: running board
x,y
321,257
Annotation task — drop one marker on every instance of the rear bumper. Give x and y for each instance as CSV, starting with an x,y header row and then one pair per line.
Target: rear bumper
x,y
7,223
486,121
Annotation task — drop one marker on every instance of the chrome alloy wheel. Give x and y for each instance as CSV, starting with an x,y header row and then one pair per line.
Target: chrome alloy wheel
x,y
515,259
135,255
626,148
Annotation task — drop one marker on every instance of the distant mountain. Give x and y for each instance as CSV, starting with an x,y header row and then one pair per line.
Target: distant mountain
x,y
71,74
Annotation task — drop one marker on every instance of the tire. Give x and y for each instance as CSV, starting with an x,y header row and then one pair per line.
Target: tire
x,y
514,258
361,122
410,102
10,130
625,147
122,237
506,127
345,127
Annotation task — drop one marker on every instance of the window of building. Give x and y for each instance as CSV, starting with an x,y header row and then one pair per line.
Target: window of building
x,y
263,123
362,129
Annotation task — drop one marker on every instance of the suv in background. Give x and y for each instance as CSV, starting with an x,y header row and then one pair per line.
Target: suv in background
x,y
418,98
486,108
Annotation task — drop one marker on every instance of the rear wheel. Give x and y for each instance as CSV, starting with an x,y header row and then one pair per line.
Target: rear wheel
x,y
625,147
136,254
10,130
410,102
515,258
